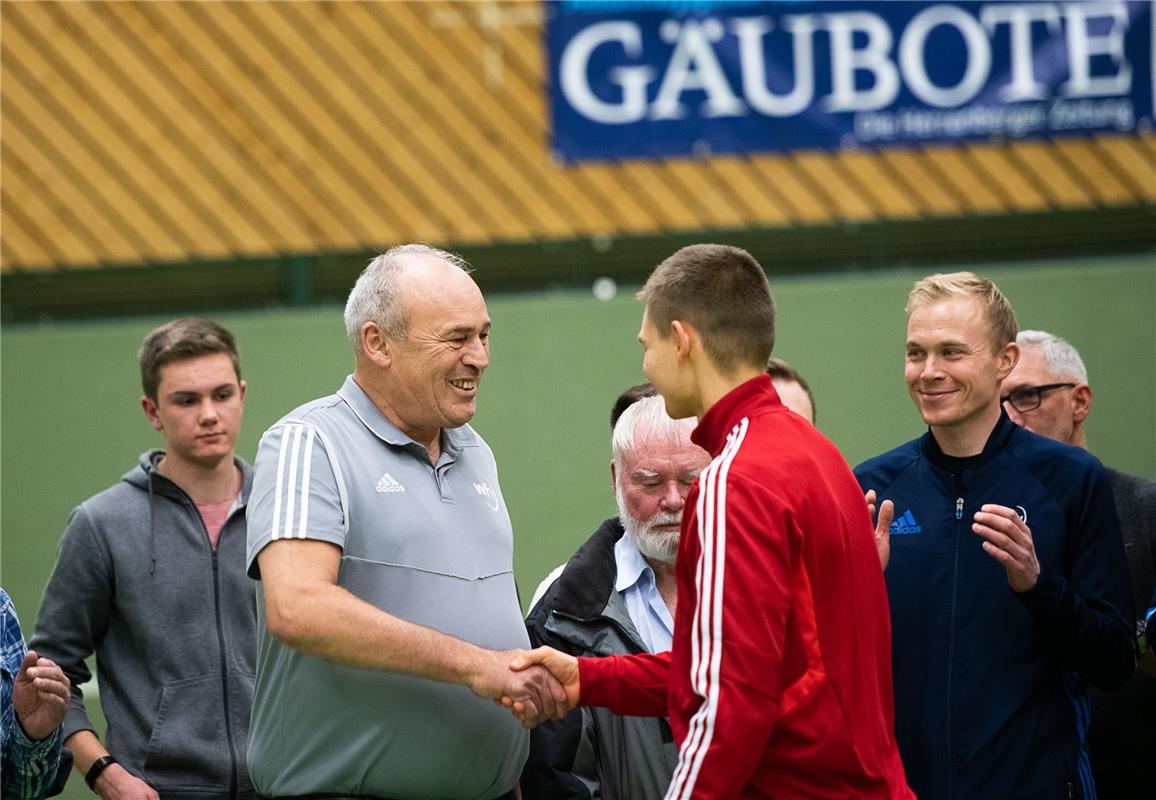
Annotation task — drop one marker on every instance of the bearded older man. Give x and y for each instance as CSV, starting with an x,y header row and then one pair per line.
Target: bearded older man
x,y
617,594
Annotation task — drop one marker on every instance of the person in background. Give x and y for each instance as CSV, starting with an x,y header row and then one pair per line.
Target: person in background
x,y
793,389
1048,393
151,578
1005,572
617,594
33,699
628,398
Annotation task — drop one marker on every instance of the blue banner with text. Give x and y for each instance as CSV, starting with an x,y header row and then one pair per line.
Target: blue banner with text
x,y
657,78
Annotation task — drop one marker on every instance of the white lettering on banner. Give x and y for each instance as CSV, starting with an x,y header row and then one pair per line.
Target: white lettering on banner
x,y
920,123
1114,112
868,68
846,61
1014,121
694,65
574,70
1082,45
1019,19
975,43
750,32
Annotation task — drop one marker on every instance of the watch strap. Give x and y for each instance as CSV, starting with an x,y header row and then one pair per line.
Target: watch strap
x,y
98,767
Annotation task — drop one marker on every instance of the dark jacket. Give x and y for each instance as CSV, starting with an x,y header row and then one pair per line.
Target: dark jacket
x,y
991,697
1123,733
173,626
592,752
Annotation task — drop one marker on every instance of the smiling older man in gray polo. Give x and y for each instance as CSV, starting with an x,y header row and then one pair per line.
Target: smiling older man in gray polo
x,y
377,527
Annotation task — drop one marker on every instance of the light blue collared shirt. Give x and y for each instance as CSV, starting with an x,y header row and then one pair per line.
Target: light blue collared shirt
x,y
644,603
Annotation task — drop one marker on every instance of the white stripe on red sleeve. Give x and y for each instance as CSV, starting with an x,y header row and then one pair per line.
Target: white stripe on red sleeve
x,y
706,630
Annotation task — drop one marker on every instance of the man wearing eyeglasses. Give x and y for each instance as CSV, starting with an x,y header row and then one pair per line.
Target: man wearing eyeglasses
x,y
1048,393
1005,573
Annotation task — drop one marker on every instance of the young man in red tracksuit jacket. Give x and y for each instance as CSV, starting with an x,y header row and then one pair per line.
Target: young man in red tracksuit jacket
x,y
779,682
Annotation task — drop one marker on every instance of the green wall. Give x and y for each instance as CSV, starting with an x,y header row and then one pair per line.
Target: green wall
x,y
71,423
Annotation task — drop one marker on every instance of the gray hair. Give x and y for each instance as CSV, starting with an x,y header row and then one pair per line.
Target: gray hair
x,y
645,421
1062,359
375,297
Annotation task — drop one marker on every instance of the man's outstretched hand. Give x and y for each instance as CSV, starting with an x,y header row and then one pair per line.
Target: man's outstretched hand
x,y
563,668
531,688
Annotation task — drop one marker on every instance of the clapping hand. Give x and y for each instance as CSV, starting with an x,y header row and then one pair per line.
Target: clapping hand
x,y
882,526
1008,539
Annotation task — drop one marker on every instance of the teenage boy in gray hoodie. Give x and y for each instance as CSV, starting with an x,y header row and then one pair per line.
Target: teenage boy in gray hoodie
x,y
151,578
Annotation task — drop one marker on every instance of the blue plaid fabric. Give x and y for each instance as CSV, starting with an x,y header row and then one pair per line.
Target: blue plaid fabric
x,y
28,767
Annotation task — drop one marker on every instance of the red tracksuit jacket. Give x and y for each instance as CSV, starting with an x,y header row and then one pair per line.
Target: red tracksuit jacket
x,y
779,682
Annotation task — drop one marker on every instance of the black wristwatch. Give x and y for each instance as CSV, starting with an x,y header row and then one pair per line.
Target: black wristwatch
x,y
97,768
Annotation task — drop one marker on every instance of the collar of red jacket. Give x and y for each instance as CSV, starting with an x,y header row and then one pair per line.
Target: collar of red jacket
x,y
747,398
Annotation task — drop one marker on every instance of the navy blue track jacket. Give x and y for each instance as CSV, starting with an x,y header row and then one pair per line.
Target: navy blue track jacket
x,y
990,693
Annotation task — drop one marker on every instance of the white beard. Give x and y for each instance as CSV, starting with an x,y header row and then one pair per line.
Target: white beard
x,y
660,546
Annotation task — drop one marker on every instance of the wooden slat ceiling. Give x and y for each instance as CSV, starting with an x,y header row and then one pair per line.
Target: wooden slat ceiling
x,y
145,132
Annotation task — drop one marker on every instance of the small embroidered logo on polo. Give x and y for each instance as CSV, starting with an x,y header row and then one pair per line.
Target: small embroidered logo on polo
x,y
386,483
488,494
906,524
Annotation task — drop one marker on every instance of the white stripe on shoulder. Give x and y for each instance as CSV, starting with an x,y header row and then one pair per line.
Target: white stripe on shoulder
x,y
707,630
306,464
279,485
291,487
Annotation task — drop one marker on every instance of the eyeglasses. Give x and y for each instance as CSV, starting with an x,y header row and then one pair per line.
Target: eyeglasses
x,y
1027,398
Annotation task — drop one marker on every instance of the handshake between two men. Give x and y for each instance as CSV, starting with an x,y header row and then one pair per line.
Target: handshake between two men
x,y
536,685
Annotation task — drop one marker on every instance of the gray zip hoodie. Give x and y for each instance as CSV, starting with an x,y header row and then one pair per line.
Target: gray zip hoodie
x,y
173,624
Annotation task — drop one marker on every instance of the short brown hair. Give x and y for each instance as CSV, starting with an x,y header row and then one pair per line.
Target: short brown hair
x,y
1001,319
179,340
629,398
780,370
722,291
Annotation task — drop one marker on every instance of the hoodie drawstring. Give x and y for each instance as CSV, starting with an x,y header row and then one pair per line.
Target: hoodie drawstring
x,y
152,526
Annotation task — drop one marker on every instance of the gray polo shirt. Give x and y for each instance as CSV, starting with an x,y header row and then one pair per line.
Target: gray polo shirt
x,y
431,545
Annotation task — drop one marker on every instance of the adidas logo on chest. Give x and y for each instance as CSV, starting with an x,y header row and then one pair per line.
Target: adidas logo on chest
x,y
906,524
386,483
